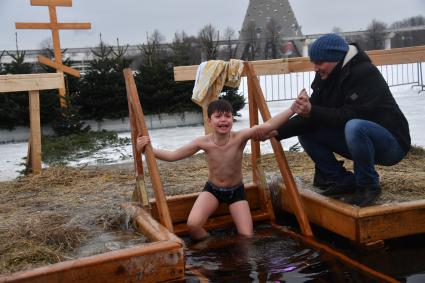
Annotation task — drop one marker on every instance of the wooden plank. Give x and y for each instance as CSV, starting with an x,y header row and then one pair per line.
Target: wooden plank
x,y
261,67
57,50
12,83
326,212
28,161
154,262
137,157
185,73
222,222
149,227
35,137
56,26
60,67
74,25
139,194
302,64
398,58
207,127
253,120
397,223
63,3
257,173
419,48
19,25
181,205
162,207
264,192
395,207
55,35
362,225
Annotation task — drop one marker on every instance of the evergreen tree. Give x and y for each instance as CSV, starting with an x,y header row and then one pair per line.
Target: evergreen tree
x,y
158,91
181,50
102,91
49,99
185,50
68,121
237,100
65,120
14,105
1,64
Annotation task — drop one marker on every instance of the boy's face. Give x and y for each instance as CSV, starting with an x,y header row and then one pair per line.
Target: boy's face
x,y
221,122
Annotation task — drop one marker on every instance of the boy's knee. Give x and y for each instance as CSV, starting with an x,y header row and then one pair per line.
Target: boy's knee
x,y
196,230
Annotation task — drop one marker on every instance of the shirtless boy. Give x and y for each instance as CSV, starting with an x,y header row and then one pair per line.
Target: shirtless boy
x,y
224,151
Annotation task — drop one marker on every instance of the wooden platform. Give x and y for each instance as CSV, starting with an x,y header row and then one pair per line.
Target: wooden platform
x,y
162,260
361,225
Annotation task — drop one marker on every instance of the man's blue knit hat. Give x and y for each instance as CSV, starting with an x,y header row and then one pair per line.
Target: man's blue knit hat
x,y
328,48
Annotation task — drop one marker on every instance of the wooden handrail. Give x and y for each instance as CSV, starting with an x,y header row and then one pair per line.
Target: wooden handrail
x,y
28,82
279,154
257,173
163,212
302,64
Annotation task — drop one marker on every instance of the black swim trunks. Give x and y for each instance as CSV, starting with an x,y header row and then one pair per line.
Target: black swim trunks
x,y
226,195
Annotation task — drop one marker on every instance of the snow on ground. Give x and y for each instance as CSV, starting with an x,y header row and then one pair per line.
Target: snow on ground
x,y
410,101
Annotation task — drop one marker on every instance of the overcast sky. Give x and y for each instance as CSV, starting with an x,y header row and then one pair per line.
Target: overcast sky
x,y
129,20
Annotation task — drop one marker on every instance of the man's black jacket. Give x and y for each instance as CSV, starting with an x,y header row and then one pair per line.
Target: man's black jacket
x,y
354,89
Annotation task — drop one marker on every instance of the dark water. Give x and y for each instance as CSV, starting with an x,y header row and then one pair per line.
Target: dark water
x,y
267,257
271,256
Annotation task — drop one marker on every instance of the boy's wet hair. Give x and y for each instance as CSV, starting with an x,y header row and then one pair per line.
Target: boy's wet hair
x,y
220,106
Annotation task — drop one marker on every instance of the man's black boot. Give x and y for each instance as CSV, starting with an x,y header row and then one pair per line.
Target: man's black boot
x,y
339,189
365,196
320,180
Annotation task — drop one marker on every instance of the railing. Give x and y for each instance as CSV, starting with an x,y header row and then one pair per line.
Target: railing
x,y
287,86
403,74
282,79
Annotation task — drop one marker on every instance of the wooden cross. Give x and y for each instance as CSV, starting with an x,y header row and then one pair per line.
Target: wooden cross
x,y
32,83
54,26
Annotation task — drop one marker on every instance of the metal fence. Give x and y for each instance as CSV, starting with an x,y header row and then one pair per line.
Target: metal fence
x,y
287,86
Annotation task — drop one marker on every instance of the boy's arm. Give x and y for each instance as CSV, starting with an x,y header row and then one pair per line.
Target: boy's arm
x,y
276,121
168,155
266,129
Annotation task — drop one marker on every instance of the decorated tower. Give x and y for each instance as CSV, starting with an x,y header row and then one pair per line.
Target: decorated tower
x,y
266,25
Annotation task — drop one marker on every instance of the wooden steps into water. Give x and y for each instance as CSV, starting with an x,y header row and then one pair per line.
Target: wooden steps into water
x,y
181,205
221,222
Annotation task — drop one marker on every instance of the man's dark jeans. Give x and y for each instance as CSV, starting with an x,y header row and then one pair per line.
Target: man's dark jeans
x,y
364,142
